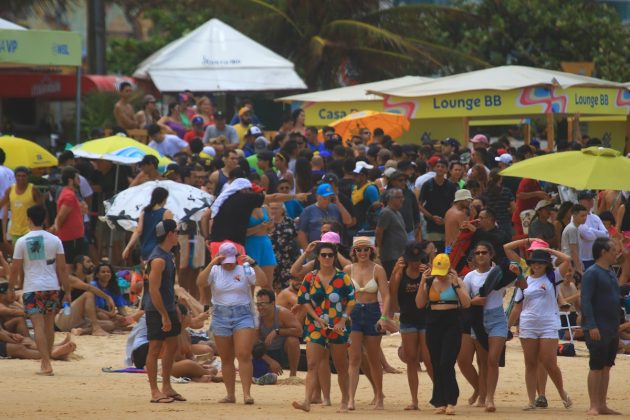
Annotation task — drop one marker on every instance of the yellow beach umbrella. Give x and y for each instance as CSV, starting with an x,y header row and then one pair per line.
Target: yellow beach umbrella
x,y
22,152
593,168
392,124
118,149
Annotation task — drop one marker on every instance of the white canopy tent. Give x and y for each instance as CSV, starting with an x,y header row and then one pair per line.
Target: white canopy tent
x,y
5,24
355,92
216,57
496,78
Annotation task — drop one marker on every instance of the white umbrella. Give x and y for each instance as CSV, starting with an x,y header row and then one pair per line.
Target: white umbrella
x,y
187,203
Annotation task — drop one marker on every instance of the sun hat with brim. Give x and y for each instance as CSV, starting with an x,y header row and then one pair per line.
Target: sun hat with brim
x,y
229,252
462,195
331,238
539,256
362,241
441,265
414,252
536,244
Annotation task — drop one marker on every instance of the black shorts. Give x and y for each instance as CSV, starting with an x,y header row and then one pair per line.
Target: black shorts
x,y
154,326
3,348
73,248
602,352
572,320
139,356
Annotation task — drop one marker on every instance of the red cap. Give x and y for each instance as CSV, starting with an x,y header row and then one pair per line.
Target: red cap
x,y
257,188
433,160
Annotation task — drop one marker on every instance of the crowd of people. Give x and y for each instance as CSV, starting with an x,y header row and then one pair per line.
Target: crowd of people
x,y
324,243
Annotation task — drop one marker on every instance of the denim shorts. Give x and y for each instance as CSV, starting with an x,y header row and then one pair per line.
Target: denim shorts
x,y
412,328
227,319
495,322
364,317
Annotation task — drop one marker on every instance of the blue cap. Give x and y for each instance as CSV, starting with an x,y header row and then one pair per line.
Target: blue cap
x,y
197,120
325,190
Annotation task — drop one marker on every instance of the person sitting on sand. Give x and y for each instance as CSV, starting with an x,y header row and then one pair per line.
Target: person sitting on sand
x,y
262,373
280,331
12,317
287,298
184,364
106,281
83,319
16,346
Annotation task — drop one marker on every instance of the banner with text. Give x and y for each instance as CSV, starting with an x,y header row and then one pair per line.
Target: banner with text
x,y
40,48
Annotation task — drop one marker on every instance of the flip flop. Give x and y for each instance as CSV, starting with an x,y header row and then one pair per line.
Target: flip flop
x,y
177,397
227,400
248,401
163,400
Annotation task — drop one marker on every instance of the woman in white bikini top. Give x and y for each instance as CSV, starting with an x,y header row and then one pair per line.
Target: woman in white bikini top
x,y
368,323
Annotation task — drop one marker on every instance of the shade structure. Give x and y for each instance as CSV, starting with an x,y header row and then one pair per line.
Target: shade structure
x,y
5,24
216,57
22,152
187,203
113,148
594,168
392,124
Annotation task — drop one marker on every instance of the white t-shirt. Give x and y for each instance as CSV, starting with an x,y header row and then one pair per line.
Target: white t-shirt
x,y
231,288
38,251
473,282
422,179
540,303
7,178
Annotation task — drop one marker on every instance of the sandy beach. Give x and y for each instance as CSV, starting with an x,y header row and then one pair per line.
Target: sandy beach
x,y
81,390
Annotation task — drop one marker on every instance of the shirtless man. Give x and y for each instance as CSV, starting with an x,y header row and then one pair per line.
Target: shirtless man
x,y
18,346
455,216
148,171
123,111
12,317
287,298
220,177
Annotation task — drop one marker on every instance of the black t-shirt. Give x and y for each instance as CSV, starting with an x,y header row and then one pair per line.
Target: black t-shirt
x,y
407,291
511,183
497,238
437,199
233,218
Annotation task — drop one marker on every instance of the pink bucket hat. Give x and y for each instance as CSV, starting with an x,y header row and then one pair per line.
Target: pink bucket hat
x,y
535,244
331,238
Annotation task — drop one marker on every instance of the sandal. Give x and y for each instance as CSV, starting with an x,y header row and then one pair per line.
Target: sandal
x,y
163,400
177,397
227,400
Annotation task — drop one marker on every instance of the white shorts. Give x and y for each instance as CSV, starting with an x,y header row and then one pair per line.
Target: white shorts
x,y
537,333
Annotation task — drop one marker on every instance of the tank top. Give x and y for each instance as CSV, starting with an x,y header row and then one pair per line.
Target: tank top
x,y
19,204
167,286
407,291
223,179
277,342
148,239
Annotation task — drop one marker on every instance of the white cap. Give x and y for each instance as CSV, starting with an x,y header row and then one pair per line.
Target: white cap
x,y
362,165
389,172
209,150
505,158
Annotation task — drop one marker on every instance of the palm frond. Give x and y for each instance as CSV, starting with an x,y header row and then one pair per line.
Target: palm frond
x,y
382,53
277,11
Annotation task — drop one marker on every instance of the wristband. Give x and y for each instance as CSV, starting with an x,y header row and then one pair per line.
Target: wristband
x,y
278,332
253,263
457,286
383,318
344,315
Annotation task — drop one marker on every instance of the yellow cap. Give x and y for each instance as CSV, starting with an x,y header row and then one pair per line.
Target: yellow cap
x,y
441,265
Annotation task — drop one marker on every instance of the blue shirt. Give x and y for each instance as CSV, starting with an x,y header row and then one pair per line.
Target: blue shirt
x,y
312,217
601,301
101,303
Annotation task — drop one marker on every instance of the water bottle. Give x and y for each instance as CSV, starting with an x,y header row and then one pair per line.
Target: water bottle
x,y
66,308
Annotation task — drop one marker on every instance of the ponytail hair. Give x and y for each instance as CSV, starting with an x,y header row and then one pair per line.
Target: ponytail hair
x,y
158,196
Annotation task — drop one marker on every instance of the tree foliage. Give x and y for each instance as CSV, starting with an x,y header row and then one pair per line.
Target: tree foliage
x,y
543,33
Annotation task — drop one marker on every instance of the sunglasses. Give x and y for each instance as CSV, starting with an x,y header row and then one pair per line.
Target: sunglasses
x,y
362,249
327,255
481,252
262,303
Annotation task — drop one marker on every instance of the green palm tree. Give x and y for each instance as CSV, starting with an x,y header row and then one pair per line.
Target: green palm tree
x,y
361,39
